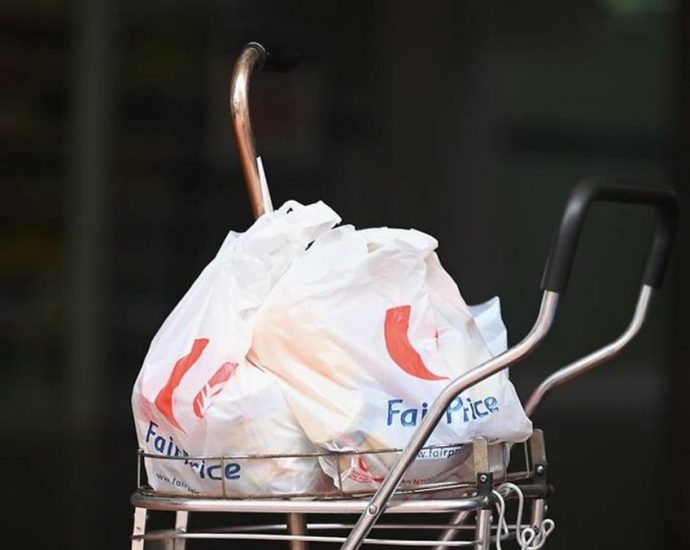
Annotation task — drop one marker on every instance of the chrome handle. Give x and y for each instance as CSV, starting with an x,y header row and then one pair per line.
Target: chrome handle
x,y
594,359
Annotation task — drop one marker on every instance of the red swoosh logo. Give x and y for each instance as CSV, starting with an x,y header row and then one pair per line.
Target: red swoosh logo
x,y
212,388
164,399
365,470
399,347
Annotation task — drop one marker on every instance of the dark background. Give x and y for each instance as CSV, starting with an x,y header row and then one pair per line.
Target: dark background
x,y
468,120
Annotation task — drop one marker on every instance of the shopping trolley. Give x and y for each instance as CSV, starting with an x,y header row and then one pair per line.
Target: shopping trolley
x,y
466,514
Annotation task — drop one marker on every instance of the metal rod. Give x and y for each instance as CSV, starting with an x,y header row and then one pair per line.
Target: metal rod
x,y
210,535
317,454
538,510
482,537
139,528
437,410
450,533
279,527
296,525
252,57
153,501
181,521
581,366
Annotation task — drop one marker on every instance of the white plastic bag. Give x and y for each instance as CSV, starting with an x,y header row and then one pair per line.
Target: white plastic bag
x,y
364,331
197,395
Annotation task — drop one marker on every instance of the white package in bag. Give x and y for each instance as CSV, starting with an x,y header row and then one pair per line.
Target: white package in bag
x,y
197,395
364,331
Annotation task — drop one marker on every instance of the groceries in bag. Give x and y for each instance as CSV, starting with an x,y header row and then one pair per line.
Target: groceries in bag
x,y
198,396
299,338
364,331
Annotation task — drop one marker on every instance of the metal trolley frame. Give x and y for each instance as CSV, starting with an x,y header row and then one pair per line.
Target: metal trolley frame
x,y
446,507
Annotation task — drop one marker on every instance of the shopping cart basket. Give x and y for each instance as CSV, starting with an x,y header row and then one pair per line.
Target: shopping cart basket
x,y
468,514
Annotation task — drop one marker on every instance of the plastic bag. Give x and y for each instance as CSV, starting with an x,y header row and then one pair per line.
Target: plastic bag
x,y
364,330
197,395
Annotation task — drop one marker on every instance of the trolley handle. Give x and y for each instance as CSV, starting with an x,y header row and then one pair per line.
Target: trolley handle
x,y
554,283
254,56
556,274
565,241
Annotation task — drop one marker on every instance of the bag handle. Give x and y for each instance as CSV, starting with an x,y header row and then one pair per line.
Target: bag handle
x,y
253,56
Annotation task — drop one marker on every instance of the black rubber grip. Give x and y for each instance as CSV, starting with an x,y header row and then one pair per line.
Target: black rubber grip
x,y
565,240
280,57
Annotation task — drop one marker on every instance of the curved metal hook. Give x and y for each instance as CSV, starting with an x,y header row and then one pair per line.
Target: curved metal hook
x,y
252,57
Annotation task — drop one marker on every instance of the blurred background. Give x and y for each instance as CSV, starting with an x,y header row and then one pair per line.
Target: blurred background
x,y
468,120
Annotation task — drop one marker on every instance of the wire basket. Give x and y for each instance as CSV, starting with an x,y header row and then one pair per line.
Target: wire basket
x,y
222,469
450,511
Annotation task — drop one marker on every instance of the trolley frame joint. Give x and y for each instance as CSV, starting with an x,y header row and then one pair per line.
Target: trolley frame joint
x,y
485,488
